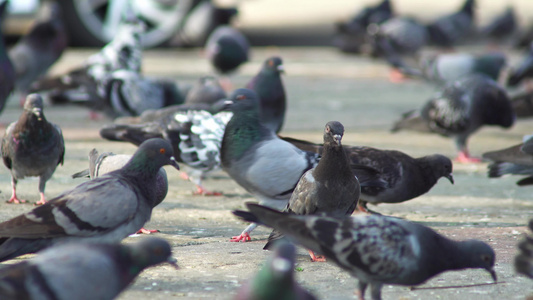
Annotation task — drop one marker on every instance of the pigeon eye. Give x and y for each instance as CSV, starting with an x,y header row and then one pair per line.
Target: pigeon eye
x,y
327,129
485,258
270,63
241,97
162,151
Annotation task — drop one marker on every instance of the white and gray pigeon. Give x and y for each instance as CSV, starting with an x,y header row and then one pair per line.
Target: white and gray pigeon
x,y
406,177
516,160
32,146
35,52
82,271
266,166
523,262
329,188
376,249
275,280
461,108
105,209
195,132
448,30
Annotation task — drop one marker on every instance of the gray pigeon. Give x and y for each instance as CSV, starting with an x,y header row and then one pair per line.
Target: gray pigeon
x,y
35,52
105,209
7,72
517,160
268,86
227,48
328,188
523,70
523,261
502,26
460,109
447,30
406,177
32,146
376,249
82,271
262,163
207,90
275,280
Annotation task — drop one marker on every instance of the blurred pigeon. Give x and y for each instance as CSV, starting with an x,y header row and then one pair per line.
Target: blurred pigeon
x,y
207,90
447,30
377,249
7,72
406,177
351,34
262,163
522,71
32,146
446,67
502,26
105,209
195,132
460,109
328,188
516,160
227,48
35,52
268,86
275,280
523,262
201,21
523,104
82,271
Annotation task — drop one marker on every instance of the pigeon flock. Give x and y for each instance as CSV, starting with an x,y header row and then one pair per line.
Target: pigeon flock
x,y
312,195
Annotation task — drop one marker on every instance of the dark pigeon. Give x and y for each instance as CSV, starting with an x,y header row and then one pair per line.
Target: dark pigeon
x,y
523,262
206,90
32,146
227,48
82,271
502,26
460,109
328,188
195,132
104,210
448,30
262,163
523,104
376,249
276,279
523,70
7,71
268,86
406,177
516,160
35,52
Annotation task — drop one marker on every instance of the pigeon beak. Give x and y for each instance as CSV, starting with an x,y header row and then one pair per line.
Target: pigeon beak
x,y
173,262
493,274
281,69
450,178
337,138
174,163
37,112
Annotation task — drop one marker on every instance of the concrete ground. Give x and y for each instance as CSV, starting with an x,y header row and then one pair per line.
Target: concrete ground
x,y
322,85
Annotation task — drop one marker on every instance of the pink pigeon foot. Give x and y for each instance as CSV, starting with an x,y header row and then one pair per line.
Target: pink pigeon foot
x,y
316,258
243,238
15,200
203,192
146,231
395,76
42,201
464,157
95,116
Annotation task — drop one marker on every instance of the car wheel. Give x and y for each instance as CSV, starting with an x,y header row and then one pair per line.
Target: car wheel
x,y
94,23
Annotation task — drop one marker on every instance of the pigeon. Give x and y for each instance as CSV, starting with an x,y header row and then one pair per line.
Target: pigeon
x,y
328,188
523,104
227,48
461,108
517,160
195,132
262,163
105,209
100,164
35,52
268,86
406,177
82,271
447,30
7,71
522,71
377,249
523,262
275,280
32,146
207,90
443,68
502,26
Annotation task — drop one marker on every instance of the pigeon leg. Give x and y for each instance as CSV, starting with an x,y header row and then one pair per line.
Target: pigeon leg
x,y
226,84
200,190
464,157
245,235
396,76
42,201
14,198
146,231
316,258
360,292
42,183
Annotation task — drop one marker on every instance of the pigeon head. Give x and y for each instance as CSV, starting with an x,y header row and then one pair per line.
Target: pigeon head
x,y
333,132
152,155
243,100
277,274
441,166
274,64
148,252
477,254
34,106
